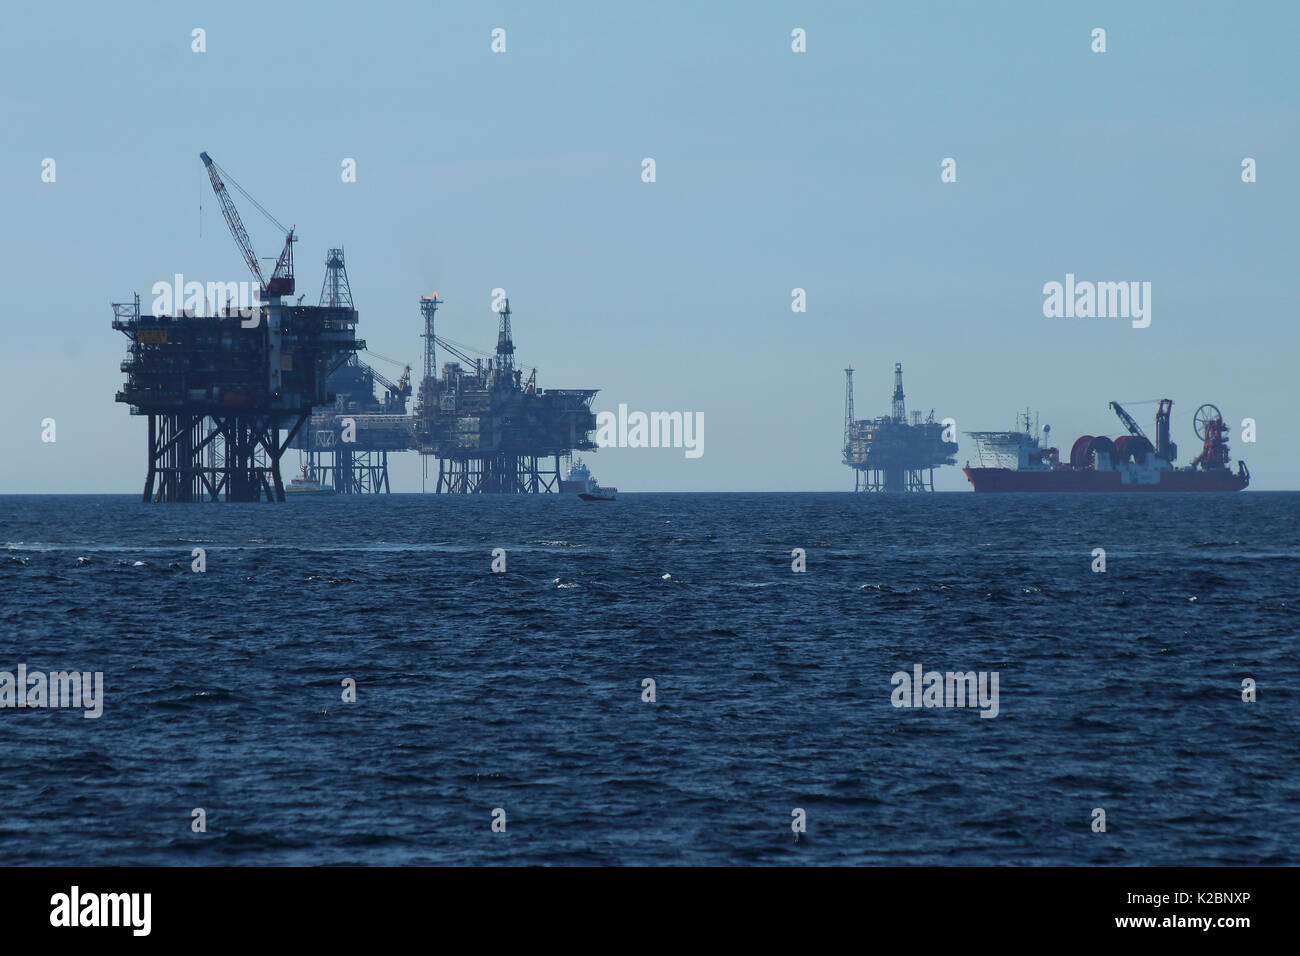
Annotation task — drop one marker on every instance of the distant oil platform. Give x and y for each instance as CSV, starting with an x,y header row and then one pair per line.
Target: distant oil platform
x,y
218,389
490,429
893,453
347,441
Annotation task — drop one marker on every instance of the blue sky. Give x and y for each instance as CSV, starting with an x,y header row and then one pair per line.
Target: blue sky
x,y
775,170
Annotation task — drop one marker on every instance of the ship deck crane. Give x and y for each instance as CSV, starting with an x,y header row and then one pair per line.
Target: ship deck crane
x,y
1164,448
281,281
1133,428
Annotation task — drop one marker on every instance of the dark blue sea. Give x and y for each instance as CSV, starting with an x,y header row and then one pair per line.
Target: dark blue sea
x,y
522,690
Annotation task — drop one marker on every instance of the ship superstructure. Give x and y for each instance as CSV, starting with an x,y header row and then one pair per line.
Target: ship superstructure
x,y
578,478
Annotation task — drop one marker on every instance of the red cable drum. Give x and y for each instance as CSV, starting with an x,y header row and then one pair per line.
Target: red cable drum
x,y
1101,445
1133,448
1079,452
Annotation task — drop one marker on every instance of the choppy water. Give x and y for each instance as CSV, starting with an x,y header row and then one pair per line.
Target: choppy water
x,y
523,690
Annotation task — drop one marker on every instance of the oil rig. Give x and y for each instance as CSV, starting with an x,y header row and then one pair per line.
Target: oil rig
x,y
218,388
347,442
893,453
489,429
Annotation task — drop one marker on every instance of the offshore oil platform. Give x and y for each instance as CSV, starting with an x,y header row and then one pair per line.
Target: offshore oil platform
x,y
488,428
347,442
893,453
219,387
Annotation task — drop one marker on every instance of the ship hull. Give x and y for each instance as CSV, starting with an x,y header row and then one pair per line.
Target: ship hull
x,y
1065,479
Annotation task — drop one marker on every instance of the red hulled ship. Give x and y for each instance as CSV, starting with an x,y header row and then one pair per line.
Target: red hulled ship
x,y
1016,461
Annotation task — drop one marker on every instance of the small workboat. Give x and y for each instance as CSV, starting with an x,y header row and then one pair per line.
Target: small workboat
x,y
581,480
307,486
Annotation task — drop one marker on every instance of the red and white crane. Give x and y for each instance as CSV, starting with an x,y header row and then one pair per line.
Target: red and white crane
x,y
281,281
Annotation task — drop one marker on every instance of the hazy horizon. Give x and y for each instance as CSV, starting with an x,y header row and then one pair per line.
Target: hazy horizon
x,y
775,171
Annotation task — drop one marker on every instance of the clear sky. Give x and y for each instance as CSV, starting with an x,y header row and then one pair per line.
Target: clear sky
x,y
775,170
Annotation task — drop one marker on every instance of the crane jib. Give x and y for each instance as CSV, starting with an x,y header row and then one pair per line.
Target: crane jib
x,y
281,282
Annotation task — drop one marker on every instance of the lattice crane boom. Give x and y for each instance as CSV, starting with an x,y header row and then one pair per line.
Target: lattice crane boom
x,y
281,281
1133,428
